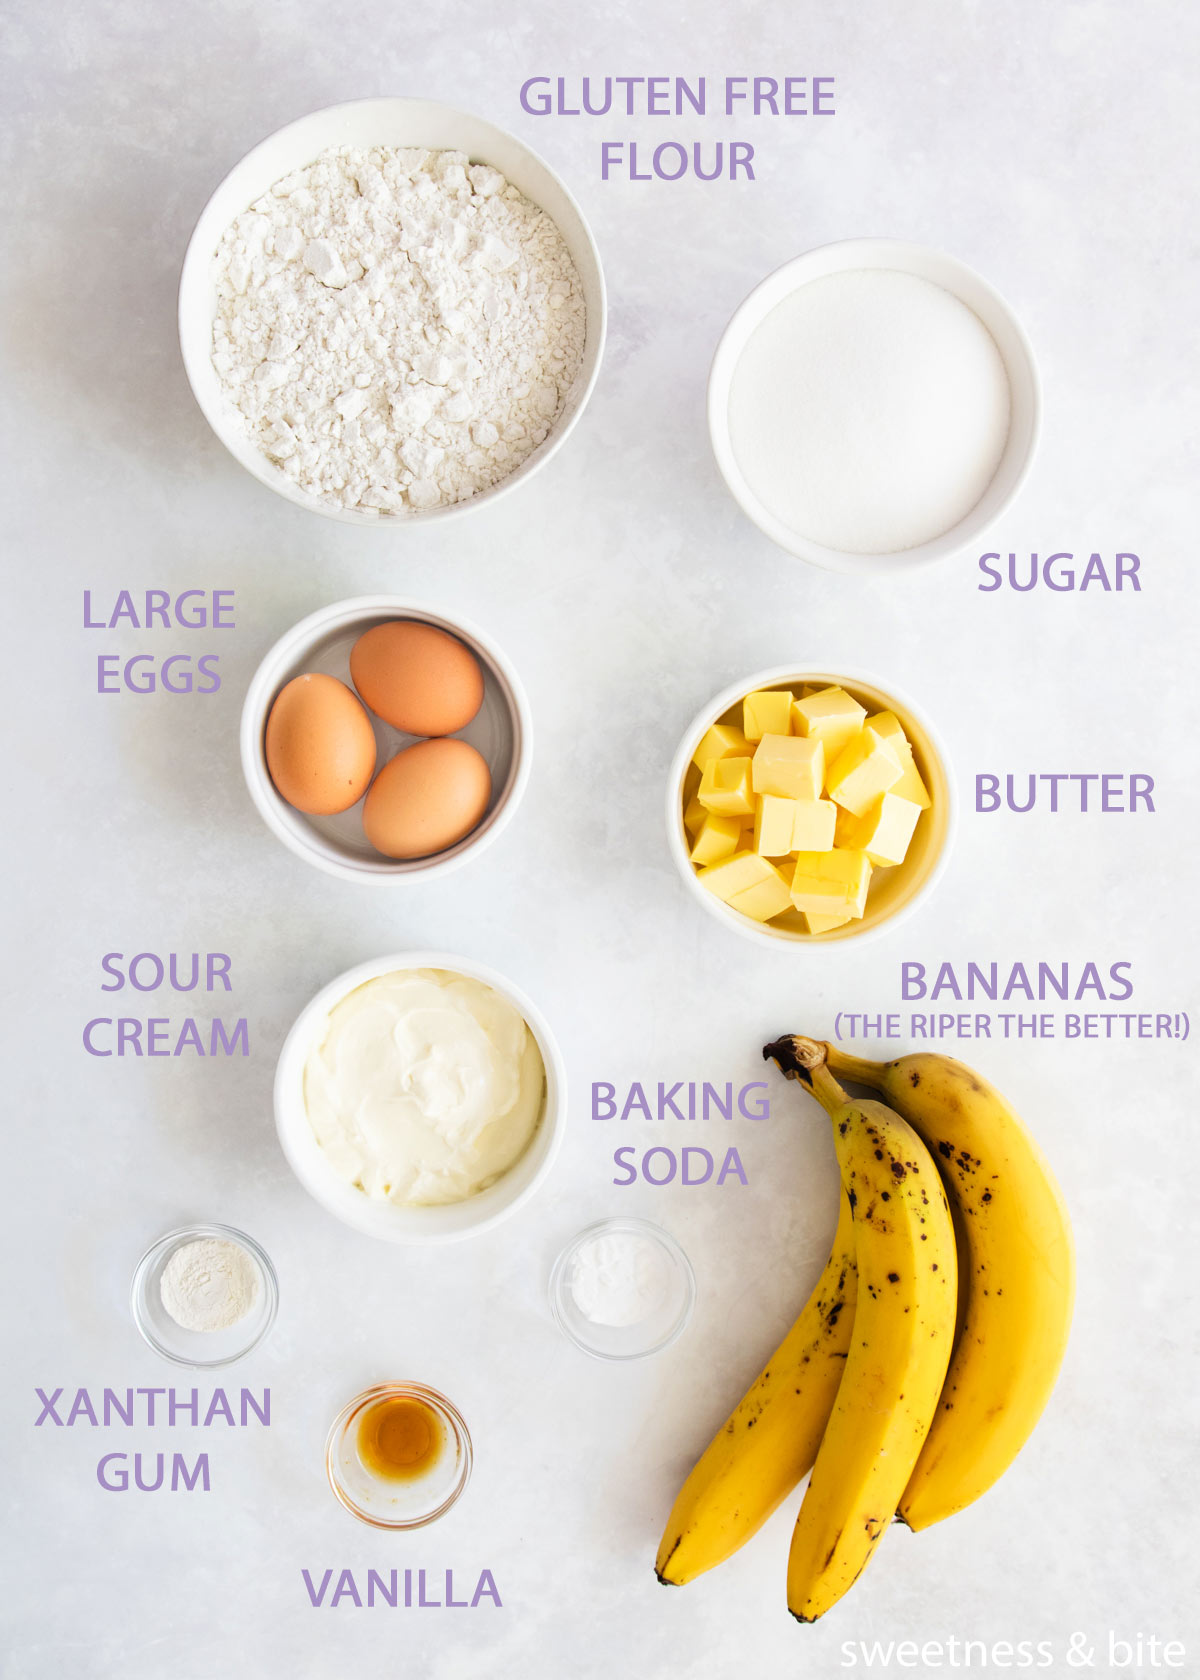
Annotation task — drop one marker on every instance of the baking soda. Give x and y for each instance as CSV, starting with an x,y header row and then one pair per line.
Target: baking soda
x,y
869,411
619,1279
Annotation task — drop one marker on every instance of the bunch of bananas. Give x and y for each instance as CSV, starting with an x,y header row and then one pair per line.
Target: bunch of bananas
x,y
926,1352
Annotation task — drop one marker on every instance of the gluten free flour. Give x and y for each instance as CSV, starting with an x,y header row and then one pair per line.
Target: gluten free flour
x,y
399,329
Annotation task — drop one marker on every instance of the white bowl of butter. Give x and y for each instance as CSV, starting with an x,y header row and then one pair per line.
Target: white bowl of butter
x,y
894,892
420,1098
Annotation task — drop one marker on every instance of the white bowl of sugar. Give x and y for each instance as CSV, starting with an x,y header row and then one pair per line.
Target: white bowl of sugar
x,y
874,405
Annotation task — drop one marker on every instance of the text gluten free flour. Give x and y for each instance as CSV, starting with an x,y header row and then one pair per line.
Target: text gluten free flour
x,y
399,329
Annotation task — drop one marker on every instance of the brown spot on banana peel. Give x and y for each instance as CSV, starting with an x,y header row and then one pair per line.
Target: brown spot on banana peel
x,y
662,1579
853,1579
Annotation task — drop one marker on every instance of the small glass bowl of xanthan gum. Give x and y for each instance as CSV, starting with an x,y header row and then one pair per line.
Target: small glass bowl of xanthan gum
x,y
398,1455
204,1295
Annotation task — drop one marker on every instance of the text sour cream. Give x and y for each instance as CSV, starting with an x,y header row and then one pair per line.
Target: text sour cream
x,y
424,1087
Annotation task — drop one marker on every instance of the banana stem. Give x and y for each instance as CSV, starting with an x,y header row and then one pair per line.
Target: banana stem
x,y
857,1069
805,1059
826,1088
795,1056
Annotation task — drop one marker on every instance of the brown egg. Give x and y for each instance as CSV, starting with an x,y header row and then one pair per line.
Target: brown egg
x,y
320,745
427,798
416,677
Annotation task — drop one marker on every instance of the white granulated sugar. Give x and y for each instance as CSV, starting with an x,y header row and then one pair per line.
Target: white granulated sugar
x,y
399,329
869,411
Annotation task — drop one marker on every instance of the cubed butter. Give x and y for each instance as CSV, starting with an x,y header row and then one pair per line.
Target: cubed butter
x,y
725,787
865,771
883,833
770,896
789,767
910,785
830,883
768,711
736,874
721,741
774,823
826,924
831,716
717,838
814,825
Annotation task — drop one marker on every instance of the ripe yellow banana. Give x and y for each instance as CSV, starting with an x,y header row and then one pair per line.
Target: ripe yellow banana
x,y
903,1331
769,1442
1018,1266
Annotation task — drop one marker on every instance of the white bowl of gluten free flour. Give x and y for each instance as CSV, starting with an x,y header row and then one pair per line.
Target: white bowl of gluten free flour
x,y
403,123
391,1221
873,423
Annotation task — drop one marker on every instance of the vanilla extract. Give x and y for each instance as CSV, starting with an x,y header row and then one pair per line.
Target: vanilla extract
x,y
399,1438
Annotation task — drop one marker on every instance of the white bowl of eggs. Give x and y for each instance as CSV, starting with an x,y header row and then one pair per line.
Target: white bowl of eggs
x,y
382,741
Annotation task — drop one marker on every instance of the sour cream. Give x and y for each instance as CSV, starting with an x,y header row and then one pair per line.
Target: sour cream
x,y
424,1087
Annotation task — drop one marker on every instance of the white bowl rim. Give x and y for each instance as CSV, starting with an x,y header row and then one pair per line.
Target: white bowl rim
x,y
930,263
759,932
290,1115
264,684
199,251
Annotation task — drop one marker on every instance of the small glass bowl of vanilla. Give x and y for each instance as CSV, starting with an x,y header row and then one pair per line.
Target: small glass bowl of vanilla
x,y
398,1455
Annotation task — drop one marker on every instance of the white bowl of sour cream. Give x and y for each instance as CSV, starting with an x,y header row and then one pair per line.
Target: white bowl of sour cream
x,y
420,1098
